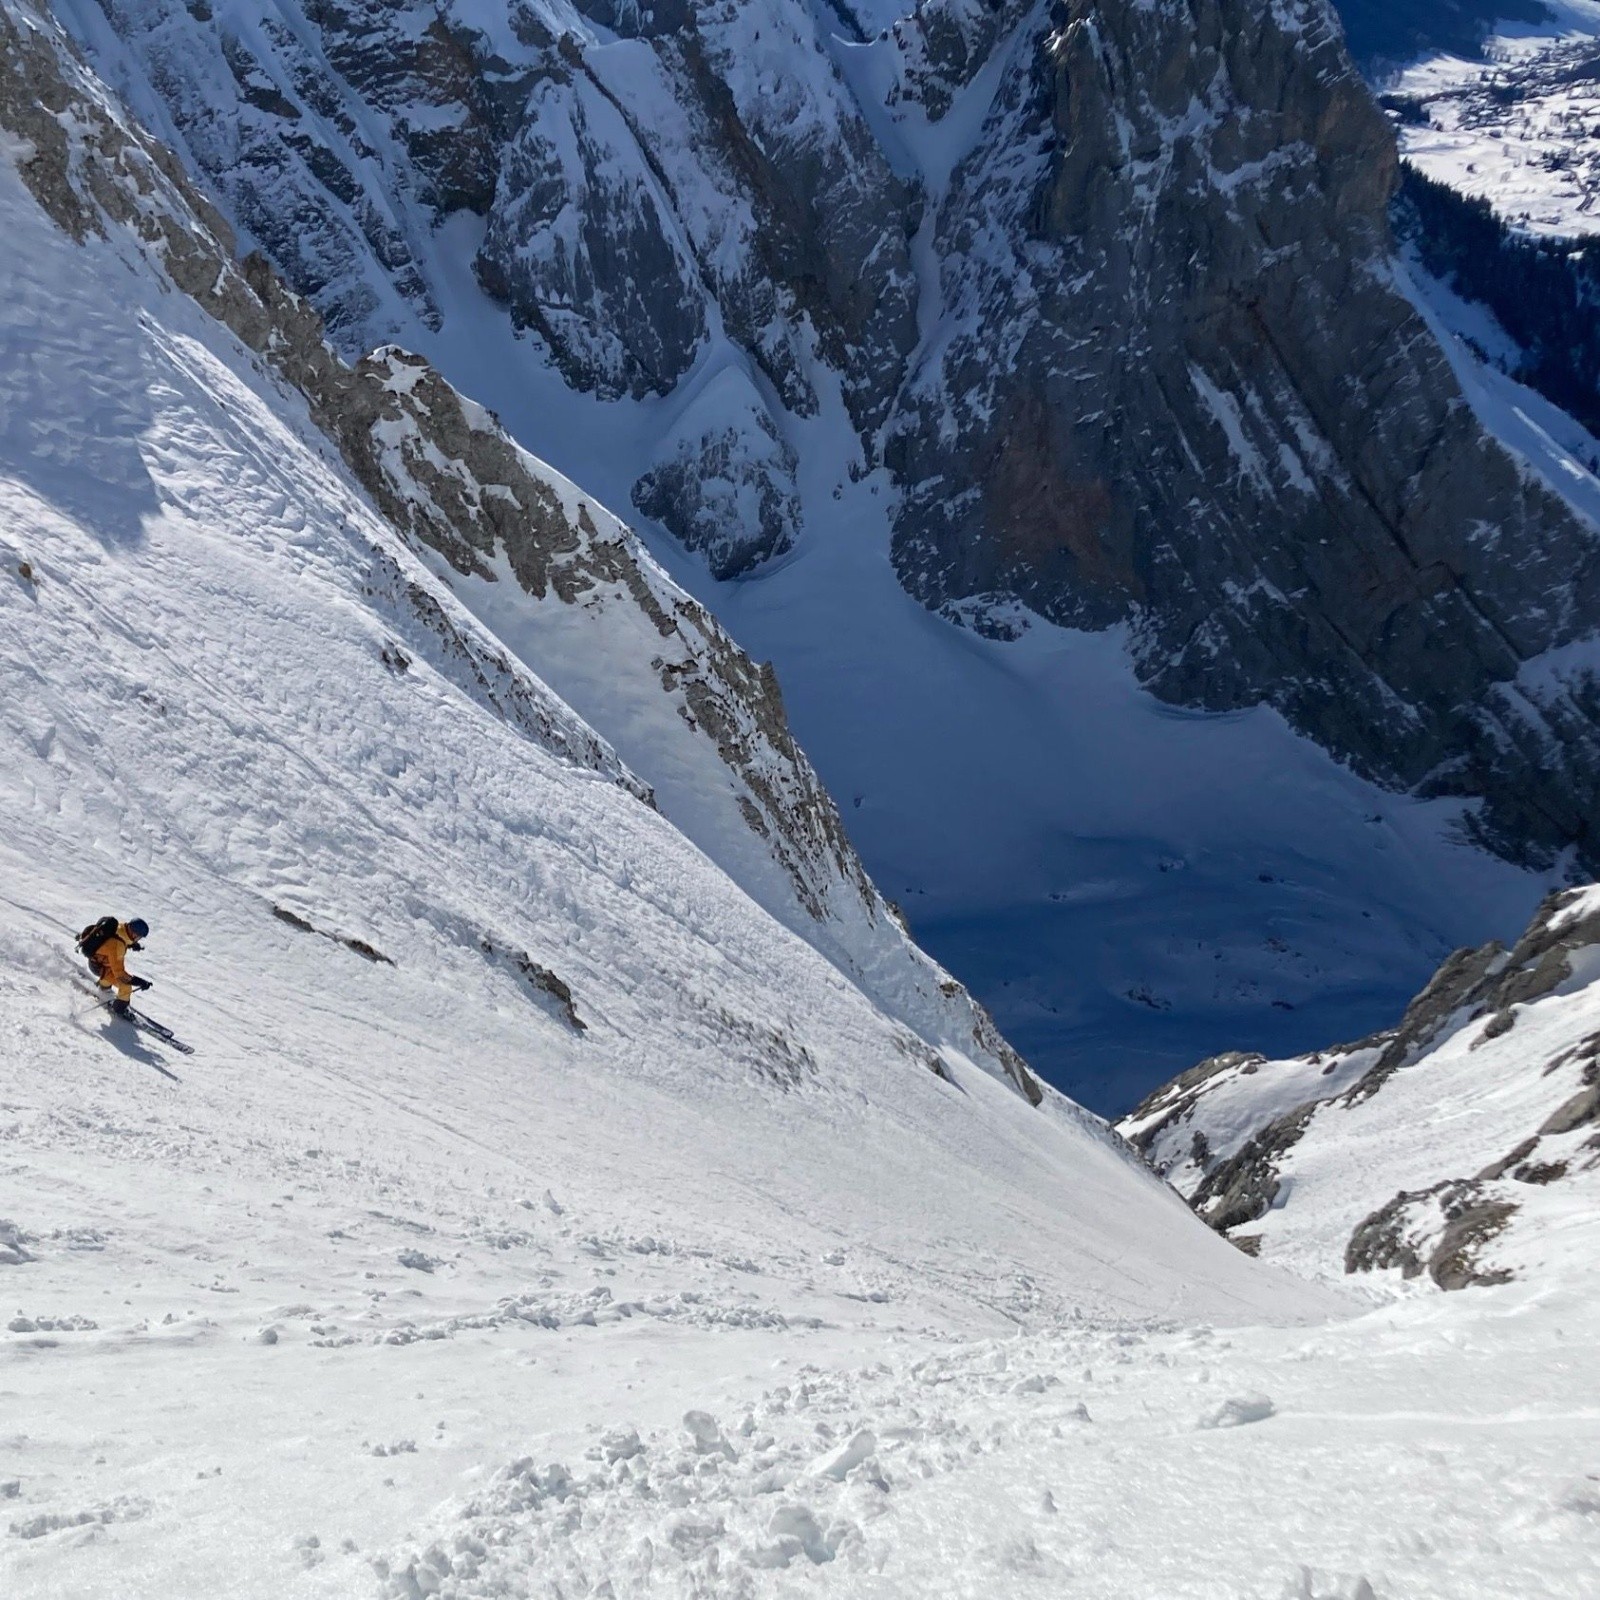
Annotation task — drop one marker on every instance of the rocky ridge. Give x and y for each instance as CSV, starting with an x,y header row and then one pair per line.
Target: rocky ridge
x,y
1480,1111
443,472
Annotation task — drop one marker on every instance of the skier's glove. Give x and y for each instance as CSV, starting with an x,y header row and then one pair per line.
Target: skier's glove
x,y
139,983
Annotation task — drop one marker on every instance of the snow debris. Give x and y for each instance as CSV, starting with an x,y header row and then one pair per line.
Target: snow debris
x,y
1238,1411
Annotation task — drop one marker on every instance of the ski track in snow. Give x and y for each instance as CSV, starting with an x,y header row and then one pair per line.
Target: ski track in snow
x,y
341,1326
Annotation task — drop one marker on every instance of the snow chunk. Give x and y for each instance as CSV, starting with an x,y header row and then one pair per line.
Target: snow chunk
x,y
1239,1410
839,1464
706,1432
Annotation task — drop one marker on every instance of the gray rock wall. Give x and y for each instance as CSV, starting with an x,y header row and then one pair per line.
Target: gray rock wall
x,y
1186,393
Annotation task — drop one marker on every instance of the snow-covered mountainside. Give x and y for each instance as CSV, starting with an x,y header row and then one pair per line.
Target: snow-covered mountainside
x,y
487,1050
562,582
577,1187
718,260
1501,169
1200,403
1463,1144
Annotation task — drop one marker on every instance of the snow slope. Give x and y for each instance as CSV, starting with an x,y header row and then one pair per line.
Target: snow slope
x,y
1515,126
402,1284
1463,1144
556,576
372,888
1482,355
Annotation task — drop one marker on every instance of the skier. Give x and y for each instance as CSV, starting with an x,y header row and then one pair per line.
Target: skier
x,y
105,945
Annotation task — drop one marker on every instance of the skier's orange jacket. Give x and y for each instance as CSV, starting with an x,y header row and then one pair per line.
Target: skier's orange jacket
x,y
110,962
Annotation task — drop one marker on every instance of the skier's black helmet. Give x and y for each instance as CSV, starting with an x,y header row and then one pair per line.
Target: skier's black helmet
x,y
138,927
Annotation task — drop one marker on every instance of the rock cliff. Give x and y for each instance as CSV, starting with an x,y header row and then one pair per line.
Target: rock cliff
x,y
1184,391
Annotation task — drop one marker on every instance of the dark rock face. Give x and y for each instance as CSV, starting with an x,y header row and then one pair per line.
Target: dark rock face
x,y
579,249
1438,1230
629,198
711,175
724,481
1241,1189
945,44
429,80
1201,406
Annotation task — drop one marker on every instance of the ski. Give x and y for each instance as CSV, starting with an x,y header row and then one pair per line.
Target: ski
x,y
160,1031
144,1024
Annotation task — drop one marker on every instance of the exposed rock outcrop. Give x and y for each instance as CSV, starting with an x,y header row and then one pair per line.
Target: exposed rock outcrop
x,y
581,250
677,165
723,480
945,44
1427,1147
1196,401
1440,1231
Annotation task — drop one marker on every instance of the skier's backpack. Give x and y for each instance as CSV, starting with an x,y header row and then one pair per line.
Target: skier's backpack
x,y
96,935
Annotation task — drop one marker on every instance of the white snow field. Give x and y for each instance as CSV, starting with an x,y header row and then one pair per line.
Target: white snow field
x,y
403,1285
1518,125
